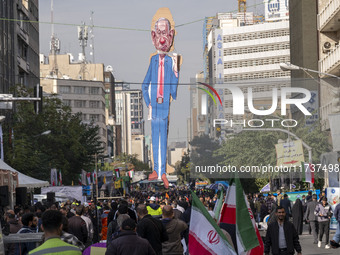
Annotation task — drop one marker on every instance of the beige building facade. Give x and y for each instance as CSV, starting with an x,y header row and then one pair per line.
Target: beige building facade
x,y
80,86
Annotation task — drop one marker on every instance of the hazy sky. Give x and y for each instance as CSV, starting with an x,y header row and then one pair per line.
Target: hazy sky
x,y
128,51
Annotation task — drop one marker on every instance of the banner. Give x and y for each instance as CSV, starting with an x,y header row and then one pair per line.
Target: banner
x,y
289,154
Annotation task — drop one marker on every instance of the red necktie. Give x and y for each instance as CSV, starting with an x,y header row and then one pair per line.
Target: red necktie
x,y
161,81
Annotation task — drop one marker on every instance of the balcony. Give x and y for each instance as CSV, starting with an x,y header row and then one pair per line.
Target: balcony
x,y
329,17
23,34
23,64
330,63
330,108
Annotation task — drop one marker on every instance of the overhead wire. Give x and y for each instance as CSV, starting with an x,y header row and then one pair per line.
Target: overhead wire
x,y
109,27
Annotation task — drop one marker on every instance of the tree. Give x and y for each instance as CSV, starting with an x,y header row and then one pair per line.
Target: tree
x,y
70,146
257,148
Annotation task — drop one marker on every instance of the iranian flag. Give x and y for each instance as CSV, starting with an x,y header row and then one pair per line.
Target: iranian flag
x,y
60,181
205,236
307,172
238,220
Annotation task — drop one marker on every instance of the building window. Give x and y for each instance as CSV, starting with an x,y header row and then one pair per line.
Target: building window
x,y
79,103
94,90
79,90
94,104
67,102
94,117
64,89
107,79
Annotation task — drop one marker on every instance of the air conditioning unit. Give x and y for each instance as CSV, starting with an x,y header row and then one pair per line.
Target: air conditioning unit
x,y
328,46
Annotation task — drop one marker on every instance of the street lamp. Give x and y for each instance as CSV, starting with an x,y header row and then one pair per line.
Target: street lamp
x,y
290,67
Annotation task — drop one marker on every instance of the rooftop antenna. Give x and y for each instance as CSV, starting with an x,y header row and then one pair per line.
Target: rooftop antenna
x,y
54,45
83,37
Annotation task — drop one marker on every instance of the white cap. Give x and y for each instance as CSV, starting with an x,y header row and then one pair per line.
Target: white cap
x,y
152,198
86,204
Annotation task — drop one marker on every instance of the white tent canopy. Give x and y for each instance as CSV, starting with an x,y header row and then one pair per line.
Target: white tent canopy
x,y
24,180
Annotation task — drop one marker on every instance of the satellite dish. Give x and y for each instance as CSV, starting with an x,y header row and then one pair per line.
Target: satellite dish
x,y
109,68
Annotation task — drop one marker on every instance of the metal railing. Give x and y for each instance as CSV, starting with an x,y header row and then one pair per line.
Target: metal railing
x,y
326,13
331,61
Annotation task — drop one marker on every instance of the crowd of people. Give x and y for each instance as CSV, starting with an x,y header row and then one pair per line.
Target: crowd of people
x,y
157,222
314,211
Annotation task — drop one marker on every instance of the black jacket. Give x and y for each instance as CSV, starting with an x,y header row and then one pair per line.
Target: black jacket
x,y
272,238
77,227
154,231
130,244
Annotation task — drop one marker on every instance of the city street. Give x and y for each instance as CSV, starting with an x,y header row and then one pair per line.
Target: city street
x,y
308,248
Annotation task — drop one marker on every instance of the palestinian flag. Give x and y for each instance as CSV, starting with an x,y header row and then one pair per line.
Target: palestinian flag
x,y
307,172
88,178
205,236
238,220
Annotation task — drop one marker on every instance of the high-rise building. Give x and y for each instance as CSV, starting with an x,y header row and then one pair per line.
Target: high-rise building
x,y
19,44
329,52
245,54
129,115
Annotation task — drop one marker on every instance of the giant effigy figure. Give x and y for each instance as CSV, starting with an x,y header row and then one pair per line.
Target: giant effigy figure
x,y
159,85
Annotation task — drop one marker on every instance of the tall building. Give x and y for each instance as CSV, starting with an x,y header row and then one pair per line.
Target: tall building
x,y
129,115
19,44
110,112
244,54
85,94
329,52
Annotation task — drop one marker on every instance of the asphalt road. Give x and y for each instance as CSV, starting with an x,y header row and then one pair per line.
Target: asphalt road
x,y
308,248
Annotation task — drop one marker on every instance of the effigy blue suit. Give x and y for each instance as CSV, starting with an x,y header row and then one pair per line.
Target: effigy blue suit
x,y
160,112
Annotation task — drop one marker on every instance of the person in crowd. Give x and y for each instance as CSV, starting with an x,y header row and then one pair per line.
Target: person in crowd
x,y
281,237
151,229
174,228
304,203
264,210
95,218
297,213
114,228
69,238
279,196
29,225
89,225
127,242
112,213
77,226
311,218
324,213
309,197
323,194
153,208
269,202
286,204
336,238
14,227
52,227
258,208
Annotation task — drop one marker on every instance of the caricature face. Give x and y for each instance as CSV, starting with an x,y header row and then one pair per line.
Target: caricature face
x,y
162,36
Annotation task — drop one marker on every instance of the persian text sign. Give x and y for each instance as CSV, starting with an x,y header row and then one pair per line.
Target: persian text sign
x,y
289,154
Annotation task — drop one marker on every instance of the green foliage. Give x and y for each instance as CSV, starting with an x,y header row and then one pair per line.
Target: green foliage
x,y
70,146
132,159
256,148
